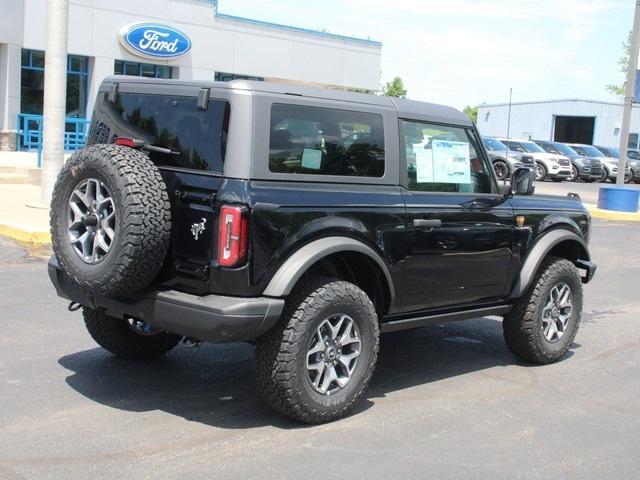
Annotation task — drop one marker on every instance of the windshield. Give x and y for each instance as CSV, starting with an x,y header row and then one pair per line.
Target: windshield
x,y
493,144
532,147
613,152
565,149
589,151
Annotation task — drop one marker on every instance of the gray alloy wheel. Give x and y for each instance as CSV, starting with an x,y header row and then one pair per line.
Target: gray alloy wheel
x,y
92,220
333,354
541,172
557,312
574,174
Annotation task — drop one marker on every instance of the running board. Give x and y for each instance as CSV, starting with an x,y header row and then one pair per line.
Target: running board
x,y
436,319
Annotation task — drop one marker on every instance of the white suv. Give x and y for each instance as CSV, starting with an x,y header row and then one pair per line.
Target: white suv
x,y
548,165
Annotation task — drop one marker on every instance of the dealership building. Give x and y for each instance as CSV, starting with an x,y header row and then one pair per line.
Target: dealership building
x,y
571,120
182,39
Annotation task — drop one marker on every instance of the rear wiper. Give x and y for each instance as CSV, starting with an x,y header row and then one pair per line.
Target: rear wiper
x,y
153,148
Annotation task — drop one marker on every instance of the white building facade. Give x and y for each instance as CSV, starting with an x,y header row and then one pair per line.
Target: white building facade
x,y
573,120
221,47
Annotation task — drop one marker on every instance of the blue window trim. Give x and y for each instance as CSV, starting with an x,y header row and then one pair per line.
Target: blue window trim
x,y
83,73
156,68
84,60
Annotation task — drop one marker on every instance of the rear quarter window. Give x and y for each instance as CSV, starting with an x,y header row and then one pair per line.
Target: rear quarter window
x,y
325,141
196,138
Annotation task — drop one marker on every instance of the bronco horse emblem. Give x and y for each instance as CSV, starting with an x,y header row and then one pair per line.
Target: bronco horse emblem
x,y
198,228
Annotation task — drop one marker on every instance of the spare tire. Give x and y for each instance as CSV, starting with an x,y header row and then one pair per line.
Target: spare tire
x,y
110,220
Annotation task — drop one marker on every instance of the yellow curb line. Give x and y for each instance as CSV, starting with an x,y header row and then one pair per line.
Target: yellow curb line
x,y
612,215
24,234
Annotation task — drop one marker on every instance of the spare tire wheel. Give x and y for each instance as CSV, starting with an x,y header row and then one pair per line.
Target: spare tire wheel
x,y
110,220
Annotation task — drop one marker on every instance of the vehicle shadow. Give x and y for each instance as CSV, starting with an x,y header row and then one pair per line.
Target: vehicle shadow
x,y
215,384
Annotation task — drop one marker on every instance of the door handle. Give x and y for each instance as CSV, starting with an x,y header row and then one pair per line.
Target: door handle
x,y
424,223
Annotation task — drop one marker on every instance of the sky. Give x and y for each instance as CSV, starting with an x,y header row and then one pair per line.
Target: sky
x,y
468,52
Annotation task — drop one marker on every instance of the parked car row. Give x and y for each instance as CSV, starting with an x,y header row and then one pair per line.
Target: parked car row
x,y
560,161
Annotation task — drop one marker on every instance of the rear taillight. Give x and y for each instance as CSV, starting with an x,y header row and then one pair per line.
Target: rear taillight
x,y
128,142
232,236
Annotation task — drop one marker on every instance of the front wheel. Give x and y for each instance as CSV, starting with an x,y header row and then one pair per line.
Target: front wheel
x,y
541,172
501,169
318,360
544,321
575,174
605,175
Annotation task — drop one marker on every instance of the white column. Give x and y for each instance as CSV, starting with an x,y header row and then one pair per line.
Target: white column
x,y
55,94
9,87
629,94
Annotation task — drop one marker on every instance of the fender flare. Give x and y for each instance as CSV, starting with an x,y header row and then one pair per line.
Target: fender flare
x,y
539,251
297,264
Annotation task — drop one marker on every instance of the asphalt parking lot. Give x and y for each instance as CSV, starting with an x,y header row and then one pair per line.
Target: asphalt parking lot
x,y
447,402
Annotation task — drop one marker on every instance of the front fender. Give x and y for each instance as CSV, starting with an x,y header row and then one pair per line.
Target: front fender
x,y
541,249
297,264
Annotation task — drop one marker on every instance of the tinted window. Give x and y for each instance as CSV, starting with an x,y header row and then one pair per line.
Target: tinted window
x,y
444,159
324,141
493,144
196,138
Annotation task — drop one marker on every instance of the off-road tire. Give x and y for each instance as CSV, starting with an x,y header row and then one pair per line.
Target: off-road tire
x,y
281,353
522,327
143,219
543,172
116,336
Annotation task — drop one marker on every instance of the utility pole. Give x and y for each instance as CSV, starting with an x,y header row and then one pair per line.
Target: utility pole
x,y
55,95
629,94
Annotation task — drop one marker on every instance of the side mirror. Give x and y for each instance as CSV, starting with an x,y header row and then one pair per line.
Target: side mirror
x,y
522,181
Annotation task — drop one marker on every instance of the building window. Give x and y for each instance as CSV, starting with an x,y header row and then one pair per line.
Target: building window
x,y
227,77
32,83
142,69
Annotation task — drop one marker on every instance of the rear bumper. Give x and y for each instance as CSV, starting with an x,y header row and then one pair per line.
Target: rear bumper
x,y
210,318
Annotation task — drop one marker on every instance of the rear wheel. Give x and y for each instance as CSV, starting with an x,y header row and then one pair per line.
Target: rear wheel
x,y
130,339
541,172
318,360
545,320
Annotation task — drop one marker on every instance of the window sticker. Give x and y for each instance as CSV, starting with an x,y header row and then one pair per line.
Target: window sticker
x,y
311,158
424,165
445,162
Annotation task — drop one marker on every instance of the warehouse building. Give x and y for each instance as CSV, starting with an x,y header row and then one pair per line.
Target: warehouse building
x,y
573,120
183,39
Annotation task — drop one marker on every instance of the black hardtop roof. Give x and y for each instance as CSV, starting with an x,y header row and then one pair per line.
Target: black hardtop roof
x,y
410,109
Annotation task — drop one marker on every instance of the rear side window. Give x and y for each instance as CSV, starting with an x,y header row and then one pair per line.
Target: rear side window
x,y
325,141
196,138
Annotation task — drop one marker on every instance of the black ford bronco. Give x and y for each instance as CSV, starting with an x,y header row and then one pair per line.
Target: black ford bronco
x,y
307,221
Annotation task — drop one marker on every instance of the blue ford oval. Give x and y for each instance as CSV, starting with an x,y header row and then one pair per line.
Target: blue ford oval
x,y
154,40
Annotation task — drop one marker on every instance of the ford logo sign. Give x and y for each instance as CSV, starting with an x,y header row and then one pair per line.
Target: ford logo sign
x,y
154,40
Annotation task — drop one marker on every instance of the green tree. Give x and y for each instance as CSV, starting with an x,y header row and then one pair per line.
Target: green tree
x,y
395,88
471,112
624,66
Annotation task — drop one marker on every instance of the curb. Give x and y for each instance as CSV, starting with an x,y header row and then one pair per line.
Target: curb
x,y
25,234
611,214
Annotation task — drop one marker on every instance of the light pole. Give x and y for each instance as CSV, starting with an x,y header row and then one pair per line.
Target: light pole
x,y
55,95
629,94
